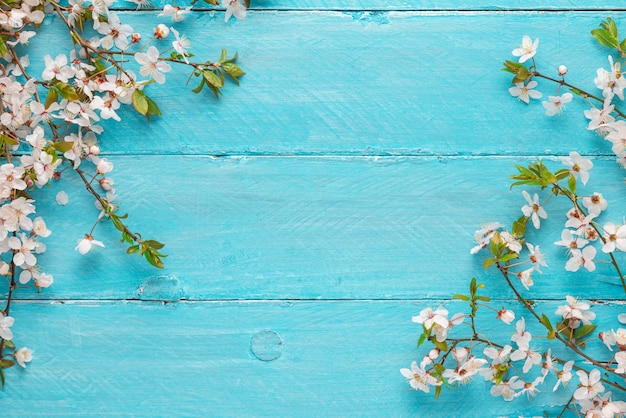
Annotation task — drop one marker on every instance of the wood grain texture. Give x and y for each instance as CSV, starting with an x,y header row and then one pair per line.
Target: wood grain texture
x,y
196,359
379,5
333,83
305,228
309,214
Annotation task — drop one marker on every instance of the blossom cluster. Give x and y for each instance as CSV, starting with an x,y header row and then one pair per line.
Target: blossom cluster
x,y
51,123
603,116
524,365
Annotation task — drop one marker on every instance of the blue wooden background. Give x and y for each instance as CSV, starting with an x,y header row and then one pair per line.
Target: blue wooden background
x,y
308,214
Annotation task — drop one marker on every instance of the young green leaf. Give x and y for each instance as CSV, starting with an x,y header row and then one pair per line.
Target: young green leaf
x,y
66,91
604,37
571,183
52,97
140,102
421,339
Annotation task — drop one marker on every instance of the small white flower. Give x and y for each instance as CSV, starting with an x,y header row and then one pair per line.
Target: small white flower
x,y
86,244
590,384
555,104
571,241
595,204
620,359
23,356
527,50
419,379
578,165
521,336
176,13
161,31
507,388
582,258
525,92
564,376
57,68
181,44
6,322
151,65
526,277
39,227
235,8
507,316
536,257
533,209
614,237
576,310
511,242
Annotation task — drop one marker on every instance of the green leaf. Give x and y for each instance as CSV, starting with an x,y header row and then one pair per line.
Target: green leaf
x,y
489,262
605,37
200,86
233,71
473,287
3,48
117,223
610,26
153,109
622,46
438,391
63,146
2,377
212,79
52,97
522,75
461,297
9,344
562,173
443,346
509,256
140,102
5,364
571,183
222,57
483,298
546,322
66,91
8,140
421,339
156,245
584,330
519,226
132,249
512,66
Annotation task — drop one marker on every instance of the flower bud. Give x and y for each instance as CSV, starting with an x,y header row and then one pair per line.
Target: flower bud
x,y
426,361
94,150
434,353
562,70
135,38
106,183
161,31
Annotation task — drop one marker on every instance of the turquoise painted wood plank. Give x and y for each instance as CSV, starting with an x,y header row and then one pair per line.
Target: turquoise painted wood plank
x,y
375,5
200,359
304,228
330,83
